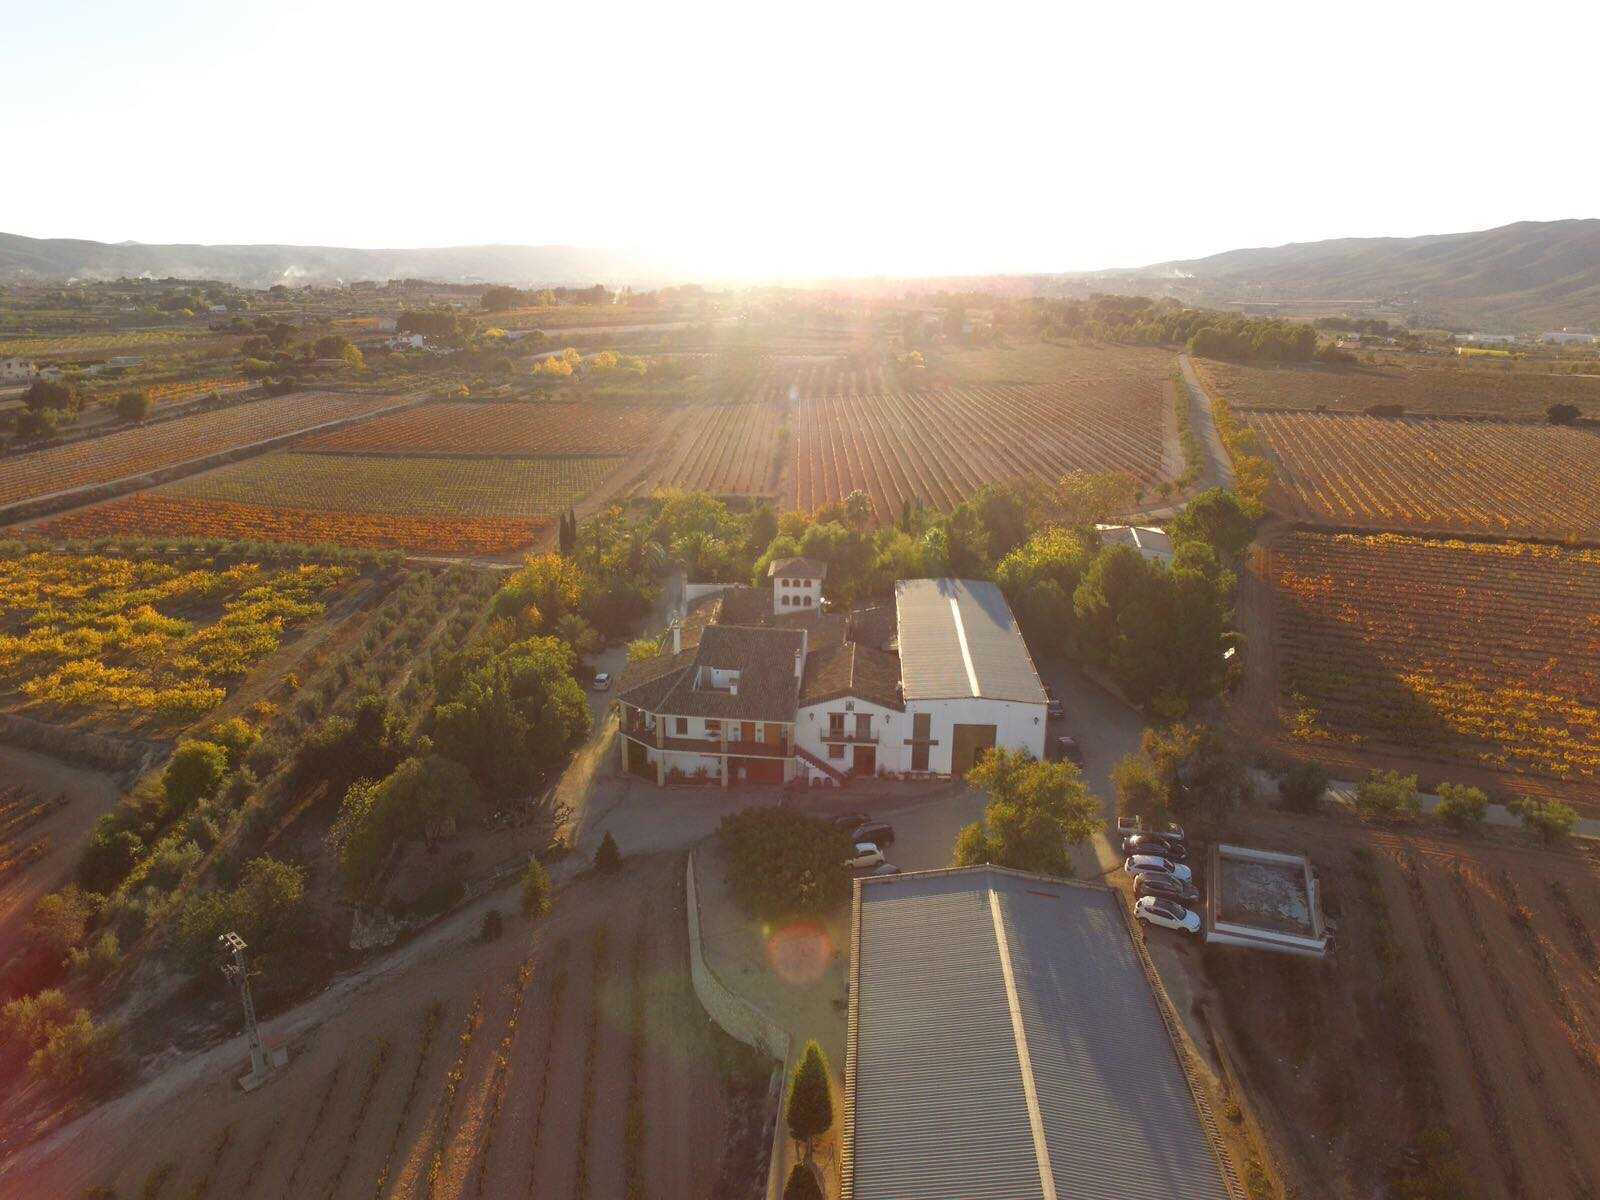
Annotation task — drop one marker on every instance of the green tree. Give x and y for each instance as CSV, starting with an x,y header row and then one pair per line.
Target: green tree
x,y
1552,820
641,649
195,773
1183,770
1036,812
1216,518
1302,786
133,406
1461,807
809,1110
54,395
782,863
499,298
802,1184
236,737
607,857
422,797
514,715
535,889
60,921
1039,579
1388,796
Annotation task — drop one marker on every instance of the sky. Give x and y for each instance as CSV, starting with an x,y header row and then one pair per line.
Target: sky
x,y
757,140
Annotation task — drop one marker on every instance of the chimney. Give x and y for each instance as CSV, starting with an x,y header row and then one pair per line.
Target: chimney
x,y
677,637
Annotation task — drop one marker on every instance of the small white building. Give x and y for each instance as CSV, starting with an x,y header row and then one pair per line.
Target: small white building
x,y
1569,337
124,360
796,583
1154,545
17,370
408,341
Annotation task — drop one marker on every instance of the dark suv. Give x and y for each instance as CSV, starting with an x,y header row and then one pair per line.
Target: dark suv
x,y
1155,843
1166,887
879,833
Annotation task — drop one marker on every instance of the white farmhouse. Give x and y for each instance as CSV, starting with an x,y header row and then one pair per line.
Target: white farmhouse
x,y
759,685
17,370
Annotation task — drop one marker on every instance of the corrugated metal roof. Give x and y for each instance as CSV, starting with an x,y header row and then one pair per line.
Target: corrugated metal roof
x,y
958,640
938,1105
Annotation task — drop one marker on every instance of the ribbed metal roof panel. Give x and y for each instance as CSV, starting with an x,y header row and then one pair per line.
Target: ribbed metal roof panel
x,y
939,1109
959,640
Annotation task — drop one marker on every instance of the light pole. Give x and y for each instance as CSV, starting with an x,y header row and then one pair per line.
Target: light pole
x,y
234,968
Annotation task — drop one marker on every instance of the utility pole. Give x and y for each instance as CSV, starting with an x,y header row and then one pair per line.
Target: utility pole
x,y
235,969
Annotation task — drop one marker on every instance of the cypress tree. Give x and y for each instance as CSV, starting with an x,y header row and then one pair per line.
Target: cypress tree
x,y
810,1108
802,1184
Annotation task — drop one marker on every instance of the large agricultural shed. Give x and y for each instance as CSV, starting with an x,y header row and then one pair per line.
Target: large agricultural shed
x,y
1004,1041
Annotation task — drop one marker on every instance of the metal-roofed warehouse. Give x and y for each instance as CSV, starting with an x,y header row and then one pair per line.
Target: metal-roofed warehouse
x,y
966,676
1005,1042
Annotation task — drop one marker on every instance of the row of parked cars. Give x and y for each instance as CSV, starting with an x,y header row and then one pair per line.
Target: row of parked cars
x,y
870,839
1163,884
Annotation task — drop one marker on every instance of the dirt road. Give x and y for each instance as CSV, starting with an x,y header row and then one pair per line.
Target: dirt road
x,y
1219,467
505,1068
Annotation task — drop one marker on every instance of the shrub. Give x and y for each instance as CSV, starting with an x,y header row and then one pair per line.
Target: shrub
x,y
133,406
236,737
1550,819
535,889
809,1110
782,863
99,957
194,774
493,926
27,1020
109,855
1461,807
1388,796
1302,787
1562,414
607,857
61,920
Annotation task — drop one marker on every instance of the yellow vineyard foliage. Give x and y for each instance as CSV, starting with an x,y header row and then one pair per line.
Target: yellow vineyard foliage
x,y
145,636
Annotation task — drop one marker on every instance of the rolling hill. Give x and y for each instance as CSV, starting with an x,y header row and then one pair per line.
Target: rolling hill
x,y
24,258
1527,276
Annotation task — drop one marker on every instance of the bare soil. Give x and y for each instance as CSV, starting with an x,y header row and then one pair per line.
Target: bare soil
x,y
464,1075
1462,994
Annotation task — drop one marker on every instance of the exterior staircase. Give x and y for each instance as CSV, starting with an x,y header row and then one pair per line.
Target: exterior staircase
x,y
840,779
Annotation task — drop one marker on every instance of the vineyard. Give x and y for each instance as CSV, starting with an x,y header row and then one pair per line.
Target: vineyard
x,y
152,514
144,639
1446,476
179,390
68,345
132,452
1465,999
1486,653
726,449
498,429
1420,388
417,487
501,1068
941,445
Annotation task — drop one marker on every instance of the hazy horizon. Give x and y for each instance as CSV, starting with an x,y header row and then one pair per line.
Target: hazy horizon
x,y
738,143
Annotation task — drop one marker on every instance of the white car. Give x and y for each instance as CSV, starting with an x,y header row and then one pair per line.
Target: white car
x,y
867,857
1166,913
602,681
1154,862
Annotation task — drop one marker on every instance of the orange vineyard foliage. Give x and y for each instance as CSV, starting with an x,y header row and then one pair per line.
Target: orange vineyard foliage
x,y
1487,652
497,429
149,514
1420,474
152,447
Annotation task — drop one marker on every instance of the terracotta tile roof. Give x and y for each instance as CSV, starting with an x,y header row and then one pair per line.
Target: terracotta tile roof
x,y
795,567
851,669
764,657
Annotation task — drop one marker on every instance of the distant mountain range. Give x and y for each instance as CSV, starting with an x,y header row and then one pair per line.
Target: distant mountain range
x,y
1533,275
1528,276
23,258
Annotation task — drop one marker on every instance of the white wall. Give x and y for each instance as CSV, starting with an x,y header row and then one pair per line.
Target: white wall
x,y
1018,726
890,730
801,597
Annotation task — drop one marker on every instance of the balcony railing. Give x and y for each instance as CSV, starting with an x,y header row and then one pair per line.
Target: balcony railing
x,y
851,736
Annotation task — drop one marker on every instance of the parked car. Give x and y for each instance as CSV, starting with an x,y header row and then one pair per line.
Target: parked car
x,y
1166,913
602,681
1128,826
879,833
850,820
1165,887
887,868
1052,702
1154,862
1154,843
866,857
1068,750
